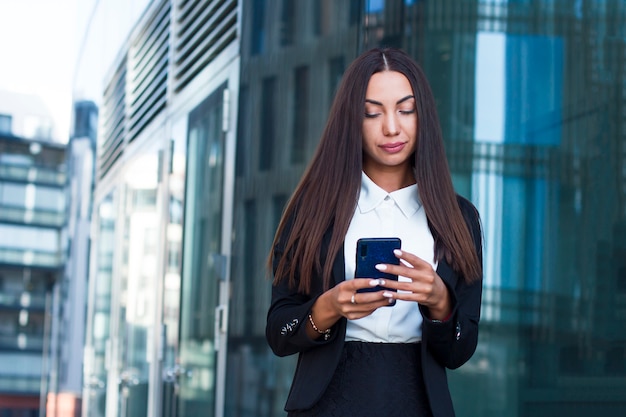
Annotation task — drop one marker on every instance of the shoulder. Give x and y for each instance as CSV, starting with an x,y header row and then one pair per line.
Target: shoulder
x,y
471,217
467,208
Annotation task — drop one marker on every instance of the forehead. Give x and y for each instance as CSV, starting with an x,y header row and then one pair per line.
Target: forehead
x,y
388,84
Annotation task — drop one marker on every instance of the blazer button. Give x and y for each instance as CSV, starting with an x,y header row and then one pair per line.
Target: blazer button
x,y
458,330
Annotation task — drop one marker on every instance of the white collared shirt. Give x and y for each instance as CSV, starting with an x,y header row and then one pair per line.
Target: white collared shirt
x,y
382,214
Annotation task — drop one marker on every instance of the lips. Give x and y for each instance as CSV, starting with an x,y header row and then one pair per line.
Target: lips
x,y
393,147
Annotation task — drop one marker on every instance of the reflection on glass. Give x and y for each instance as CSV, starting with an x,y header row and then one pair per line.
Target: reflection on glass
x,y
530,96
174,259
138,281
285,96
300,125
172,372
535,170
201,260
98,327
268,123
490,88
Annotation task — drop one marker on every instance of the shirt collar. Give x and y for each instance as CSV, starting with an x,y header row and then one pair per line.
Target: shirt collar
x,y
371,196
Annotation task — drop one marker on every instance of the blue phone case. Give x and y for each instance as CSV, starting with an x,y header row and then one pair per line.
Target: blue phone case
x,y
373,251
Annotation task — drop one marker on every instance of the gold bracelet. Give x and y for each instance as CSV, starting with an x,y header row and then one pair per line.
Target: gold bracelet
x,y
326,332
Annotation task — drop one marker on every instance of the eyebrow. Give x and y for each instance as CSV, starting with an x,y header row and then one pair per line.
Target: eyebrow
x,y
378,103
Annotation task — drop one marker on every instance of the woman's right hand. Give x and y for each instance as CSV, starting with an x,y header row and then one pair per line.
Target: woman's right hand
x,y
343,300
351,304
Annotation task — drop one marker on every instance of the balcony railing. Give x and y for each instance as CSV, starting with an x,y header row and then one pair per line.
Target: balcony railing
x,y
21,342
15,300
13,256
39,217
538,309
20,384
32,174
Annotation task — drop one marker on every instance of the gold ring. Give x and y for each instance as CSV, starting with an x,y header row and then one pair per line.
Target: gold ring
x,y
352,300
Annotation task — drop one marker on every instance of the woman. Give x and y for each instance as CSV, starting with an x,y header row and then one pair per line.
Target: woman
x,y
380,170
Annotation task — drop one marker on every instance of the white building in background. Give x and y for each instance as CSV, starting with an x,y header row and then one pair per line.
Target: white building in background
x,y
46,191
32,215
65,382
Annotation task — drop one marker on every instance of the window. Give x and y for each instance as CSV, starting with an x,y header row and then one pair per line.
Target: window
x,y
621,279
288,23
5,123
257,34
336,67
268,128
29,238
300,115
615,363
13,194
243,131
250,268
47,198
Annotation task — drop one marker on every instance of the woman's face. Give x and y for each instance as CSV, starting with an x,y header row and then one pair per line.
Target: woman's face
x,y
390,124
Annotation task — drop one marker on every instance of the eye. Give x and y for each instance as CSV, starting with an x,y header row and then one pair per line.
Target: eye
x,y
408,111
371,115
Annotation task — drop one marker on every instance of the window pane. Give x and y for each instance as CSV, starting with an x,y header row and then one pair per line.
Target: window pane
x,y
301,114
5,123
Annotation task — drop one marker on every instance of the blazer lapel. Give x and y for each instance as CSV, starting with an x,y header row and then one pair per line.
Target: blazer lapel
x,y
339,270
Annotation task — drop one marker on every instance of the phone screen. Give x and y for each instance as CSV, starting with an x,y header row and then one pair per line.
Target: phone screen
x,y
373,251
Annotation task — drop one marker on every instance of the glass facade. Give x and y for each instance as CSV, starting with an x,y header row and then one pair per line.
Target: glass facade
x,y
158,290
202,257
531,99
32,181
97,341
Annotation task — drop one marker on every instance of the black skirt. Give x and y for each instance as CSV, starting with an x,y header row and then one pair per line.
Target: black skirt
x,y
374,379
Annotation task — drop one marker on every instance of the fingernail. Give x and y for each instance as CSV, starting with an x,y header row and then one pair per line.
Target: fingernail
x,y
387,294
374,282
381,267
397,252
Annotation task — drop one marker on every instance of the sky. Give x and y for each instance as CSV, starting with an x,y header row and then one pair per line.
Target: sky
x,y
38,45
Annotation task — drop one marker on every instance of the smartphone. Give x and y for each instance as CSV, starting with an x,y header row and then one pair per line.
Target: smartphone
x,y
372,251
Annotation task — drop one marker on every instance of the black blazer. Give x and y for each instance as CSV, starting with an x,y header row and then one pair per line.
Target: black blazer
x,y
446,344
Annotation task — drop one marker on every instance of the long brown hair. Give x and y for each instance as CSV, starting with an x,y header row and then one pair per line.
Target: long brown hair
x,y
327,193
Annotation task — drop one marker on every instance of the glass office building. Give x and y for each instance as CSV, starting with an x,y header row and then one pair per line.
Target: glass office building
x,y
33,173
209,114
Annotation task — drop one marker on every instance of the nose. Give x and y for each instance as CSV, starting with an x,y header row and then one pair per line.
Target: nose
x,y
390,125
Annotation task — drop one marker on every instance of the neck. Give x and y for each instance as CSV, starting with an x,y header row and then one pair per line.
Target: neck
x,y
391,180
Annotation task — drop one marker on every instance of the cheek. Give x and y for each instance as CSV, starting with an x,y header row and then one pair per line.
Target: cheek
x,y
368,147
410,126
367,137
413,133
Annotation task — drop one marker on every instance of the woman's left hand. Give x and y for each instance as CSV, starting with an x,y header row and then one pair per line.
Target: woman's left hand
x,y
426,286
